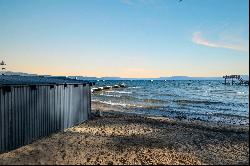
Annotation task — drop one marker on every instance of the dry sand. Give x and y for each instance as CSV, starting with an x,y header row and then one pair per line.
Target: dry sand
x,y
116,138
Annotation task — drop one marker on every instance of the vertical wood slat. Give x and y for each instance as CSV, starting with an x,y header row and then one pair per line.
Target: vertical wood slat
x,y
28,114
1,122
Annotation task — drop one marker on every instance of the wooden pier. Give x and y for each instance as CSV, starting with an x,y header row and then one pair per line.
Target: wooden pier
x,y
232,79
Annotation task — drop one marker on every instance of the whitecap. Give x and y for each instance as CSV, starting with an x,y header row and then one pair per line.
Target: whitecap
x,y
135,87
122,92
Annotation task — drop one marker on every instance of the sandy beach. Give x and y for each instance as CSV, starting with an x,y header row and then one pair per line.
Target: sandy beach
x,y
118,138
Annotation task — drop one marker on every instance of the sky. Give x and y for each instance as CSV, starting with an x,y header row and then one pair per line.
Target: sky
x,y
125,38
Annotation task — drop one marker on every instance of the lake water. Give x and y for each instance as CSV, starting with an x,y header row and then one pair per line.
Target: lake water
x,y
203,100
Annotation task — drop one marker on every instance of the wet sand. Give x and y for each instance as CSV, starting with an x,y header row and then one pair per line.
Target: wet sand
x,y
118,138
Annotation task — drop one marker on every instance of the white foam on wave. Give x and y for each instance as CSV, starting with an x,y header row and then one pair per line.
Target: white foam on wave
x,y
121,92
109,95
110,91
135,87
112,103
118,104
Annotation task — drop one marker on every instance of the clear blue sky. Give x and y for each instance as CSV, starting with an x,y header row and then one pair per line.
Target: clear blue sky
x,y
127,38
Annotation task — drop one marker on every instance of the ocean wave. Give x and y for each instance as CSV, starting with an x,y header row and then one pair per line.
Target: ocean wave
x,y
180,114
154,101
242,94
121,92
110,91
199,99
128,105
228,91
112,103
113,97
206,102
109,95
119,104
135,87
218,114
150,107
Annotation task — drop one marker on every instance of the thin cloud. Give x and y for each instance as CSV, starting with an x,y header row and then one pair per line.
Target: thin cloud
x,y
239,46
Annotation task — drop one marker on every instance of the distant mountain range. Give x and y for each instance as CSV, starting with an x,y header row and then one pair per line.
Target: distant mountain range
x,y
17,73
20,73
245,77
